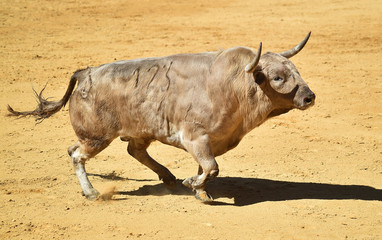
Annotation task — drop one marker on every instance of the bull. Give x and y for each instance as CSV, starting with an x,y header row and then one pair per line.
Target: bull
x,y
203,103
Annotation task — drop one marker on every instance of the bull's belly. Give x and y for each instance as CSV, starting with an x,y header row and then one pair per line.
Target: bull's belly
x,y
218,147
173,138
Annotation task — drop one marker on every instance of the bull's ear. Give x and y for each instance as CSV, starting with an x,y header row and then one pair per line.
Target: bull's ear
x,y
250,68
259,76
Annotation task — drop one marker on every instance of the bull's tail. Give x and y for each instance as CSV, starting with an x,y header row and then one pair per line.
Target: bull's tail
x,y
47,108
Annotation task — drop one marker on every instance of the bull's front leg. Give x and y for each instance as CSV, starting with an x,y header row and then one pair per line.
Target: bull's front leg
x,y
201,151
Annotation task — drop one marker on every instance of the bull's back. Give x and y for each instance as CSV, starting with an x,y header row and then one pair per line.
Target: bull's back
x,y
144,98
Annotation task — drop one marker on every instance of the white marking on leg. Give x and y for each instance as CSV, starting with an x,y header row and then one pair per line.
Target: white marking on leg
x,y
78,163
75,154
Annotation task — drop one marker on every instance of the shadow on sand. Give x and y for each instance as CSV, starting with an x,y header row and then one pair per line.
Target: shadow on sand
x,y
247,191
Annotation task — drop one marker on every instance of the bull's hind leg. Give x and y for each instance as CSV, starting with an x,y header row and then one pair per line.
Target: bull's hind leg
x,y
208,167
137,149
80,153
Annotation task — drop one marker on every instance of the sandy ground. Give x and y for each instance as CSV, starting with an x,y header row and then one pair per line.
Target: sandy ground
x,y
315,174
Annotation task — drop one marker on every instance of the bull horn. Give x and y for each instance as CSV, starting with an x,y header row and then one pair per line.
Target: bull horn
x,y
250,68
290,53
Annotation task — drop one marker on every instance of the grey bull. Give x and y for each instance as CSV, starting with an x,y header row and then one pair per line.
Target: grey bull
x,y
203,103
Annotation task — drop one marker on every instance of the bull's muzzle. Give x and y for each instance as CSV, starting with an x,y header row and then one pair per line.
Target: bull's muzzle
x,y
305,99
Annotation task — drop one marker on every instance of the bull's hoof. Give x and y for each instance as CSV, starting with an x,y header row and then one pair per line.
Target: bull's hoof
x,y
194,183
169,181
190,183
187,182
203,196
92,196
200,194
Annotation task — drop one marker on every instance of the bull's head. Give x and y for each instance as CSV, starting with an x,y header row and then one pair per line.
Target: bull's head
x,y
279,79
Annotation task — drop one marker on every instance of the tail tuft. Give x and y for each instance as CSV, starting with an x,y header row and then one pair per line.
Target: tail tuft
x,y
45,108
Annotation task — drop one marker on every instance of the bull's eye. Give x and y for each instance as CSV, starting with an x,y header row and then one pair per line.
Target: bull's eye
x,y
278,79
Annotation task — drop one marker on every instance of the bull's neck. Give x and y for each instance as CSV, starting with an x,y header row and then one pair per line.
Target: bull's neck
x,y
256,110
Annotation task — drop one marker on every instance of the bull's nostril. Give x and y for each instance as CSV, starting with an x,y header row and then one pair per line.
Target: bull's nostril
x,y
307,100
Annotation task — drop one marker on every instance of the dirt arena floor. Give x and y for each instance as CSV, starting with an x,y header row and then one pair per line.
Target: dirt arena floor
x,y
315,174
